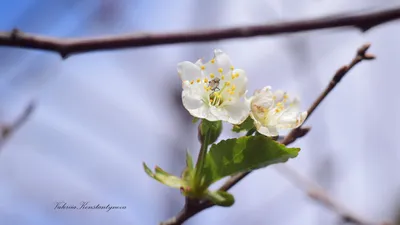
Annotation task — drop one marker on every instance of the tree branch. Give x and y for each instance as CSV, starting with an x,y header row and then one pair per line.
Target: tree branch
x,y
8,130
317,193
190,210
69,46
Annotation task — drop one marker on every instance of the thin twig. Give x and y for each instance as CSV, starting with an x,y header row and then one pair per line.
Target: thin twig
x,y
8,130
317,193
69,46
361,55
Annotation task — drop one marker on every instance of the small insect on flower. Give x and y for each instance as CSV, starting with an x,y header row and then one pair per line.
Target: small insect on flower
x,y
213,84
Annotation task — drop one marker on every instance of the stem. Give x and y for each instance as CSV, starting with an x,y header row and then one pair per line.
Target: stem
x,y
201,159
251,131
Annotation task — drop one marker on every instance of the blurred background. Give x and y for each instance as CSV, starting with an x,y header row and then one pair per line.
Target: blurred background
x,y
100,115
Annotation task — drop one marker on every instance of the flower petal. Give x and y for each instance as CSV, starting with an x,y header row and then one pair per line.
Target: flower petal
x,y
267,131
238,111
192,101
219,113
220,61
290,120
234,87
196,106
266,88
294,105
199,62
240,81
189,71
263,98
279,95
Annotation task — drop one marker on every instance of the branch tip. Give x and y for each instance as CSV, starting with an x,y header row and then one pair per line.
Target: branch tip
x,y
363,50
14,34
368,56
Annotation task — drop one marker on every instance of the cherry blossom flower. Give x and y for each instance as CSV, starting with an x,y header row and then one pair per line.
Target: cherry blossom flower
x,y
214,90
272,111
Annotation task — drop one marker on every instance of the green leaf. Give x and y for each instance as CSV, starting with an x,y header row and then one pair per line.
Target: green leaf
x,y
188,172
232,156
189,160
214,127
246,125
195,119
164,177
221,198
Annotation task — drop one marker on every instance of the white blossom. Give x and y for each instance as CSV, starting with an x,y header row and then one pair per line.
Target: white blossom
x,y
273,111
214,90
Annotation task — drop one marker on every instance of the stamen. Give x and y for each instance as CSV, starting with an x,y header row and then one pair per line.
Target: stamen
x,y
198,80
205,80
220,70
212,61
212,76
285,98
203,67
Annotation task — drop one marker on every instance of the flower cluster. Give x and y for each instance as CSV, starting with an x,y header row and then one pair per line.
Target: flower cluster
x,y
216,90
